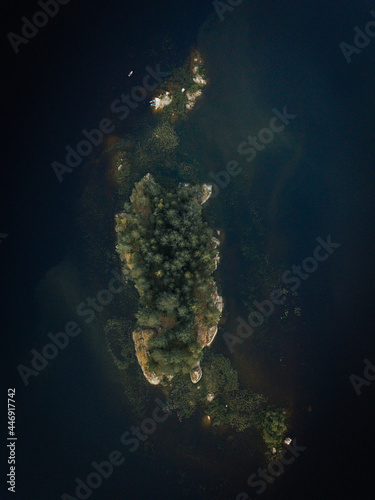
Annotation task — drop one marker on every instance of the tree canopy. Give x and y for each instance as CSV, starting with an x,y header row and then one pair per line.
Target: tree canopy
x,y
168,252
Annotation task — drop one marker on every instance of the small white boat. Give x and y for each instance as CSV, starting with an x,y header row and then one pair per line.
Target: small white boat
x,y
130,74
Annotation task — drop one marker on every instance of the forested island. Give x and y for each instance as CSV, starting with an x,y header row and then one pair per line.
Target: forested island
x,y
170,253
160,330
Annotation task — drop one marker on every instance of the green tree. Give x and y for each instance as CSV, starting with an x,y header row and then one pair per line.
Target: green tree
x,y
167,303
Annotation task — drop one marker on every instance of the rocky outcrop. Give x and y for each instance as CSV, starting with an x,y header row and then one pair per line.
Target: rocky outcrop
x,y
176,87
206,193
206,334
217,257
196,373
140,339
162,101
199,80
210,397
192,97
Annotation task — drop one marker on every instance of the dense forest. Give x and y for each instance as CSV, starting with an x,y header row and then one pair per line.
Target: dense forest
x,y
168,251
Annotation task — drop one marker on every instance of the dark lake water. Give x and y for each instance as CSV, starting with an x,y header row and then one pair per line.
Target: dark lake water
x,y
316,178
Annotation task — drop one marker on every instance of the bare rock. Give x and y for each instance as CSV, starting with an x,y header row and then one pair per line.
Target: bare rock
x,y
140,339
210,397
206,193
196,373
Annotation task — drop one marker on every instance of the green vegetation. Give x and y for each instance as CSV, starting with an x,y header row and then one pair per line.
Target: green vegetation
x,y
239,410
119,342
136,390
272,423
185,397
158,147
168,252
232,406
218,378
264,275
183,78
